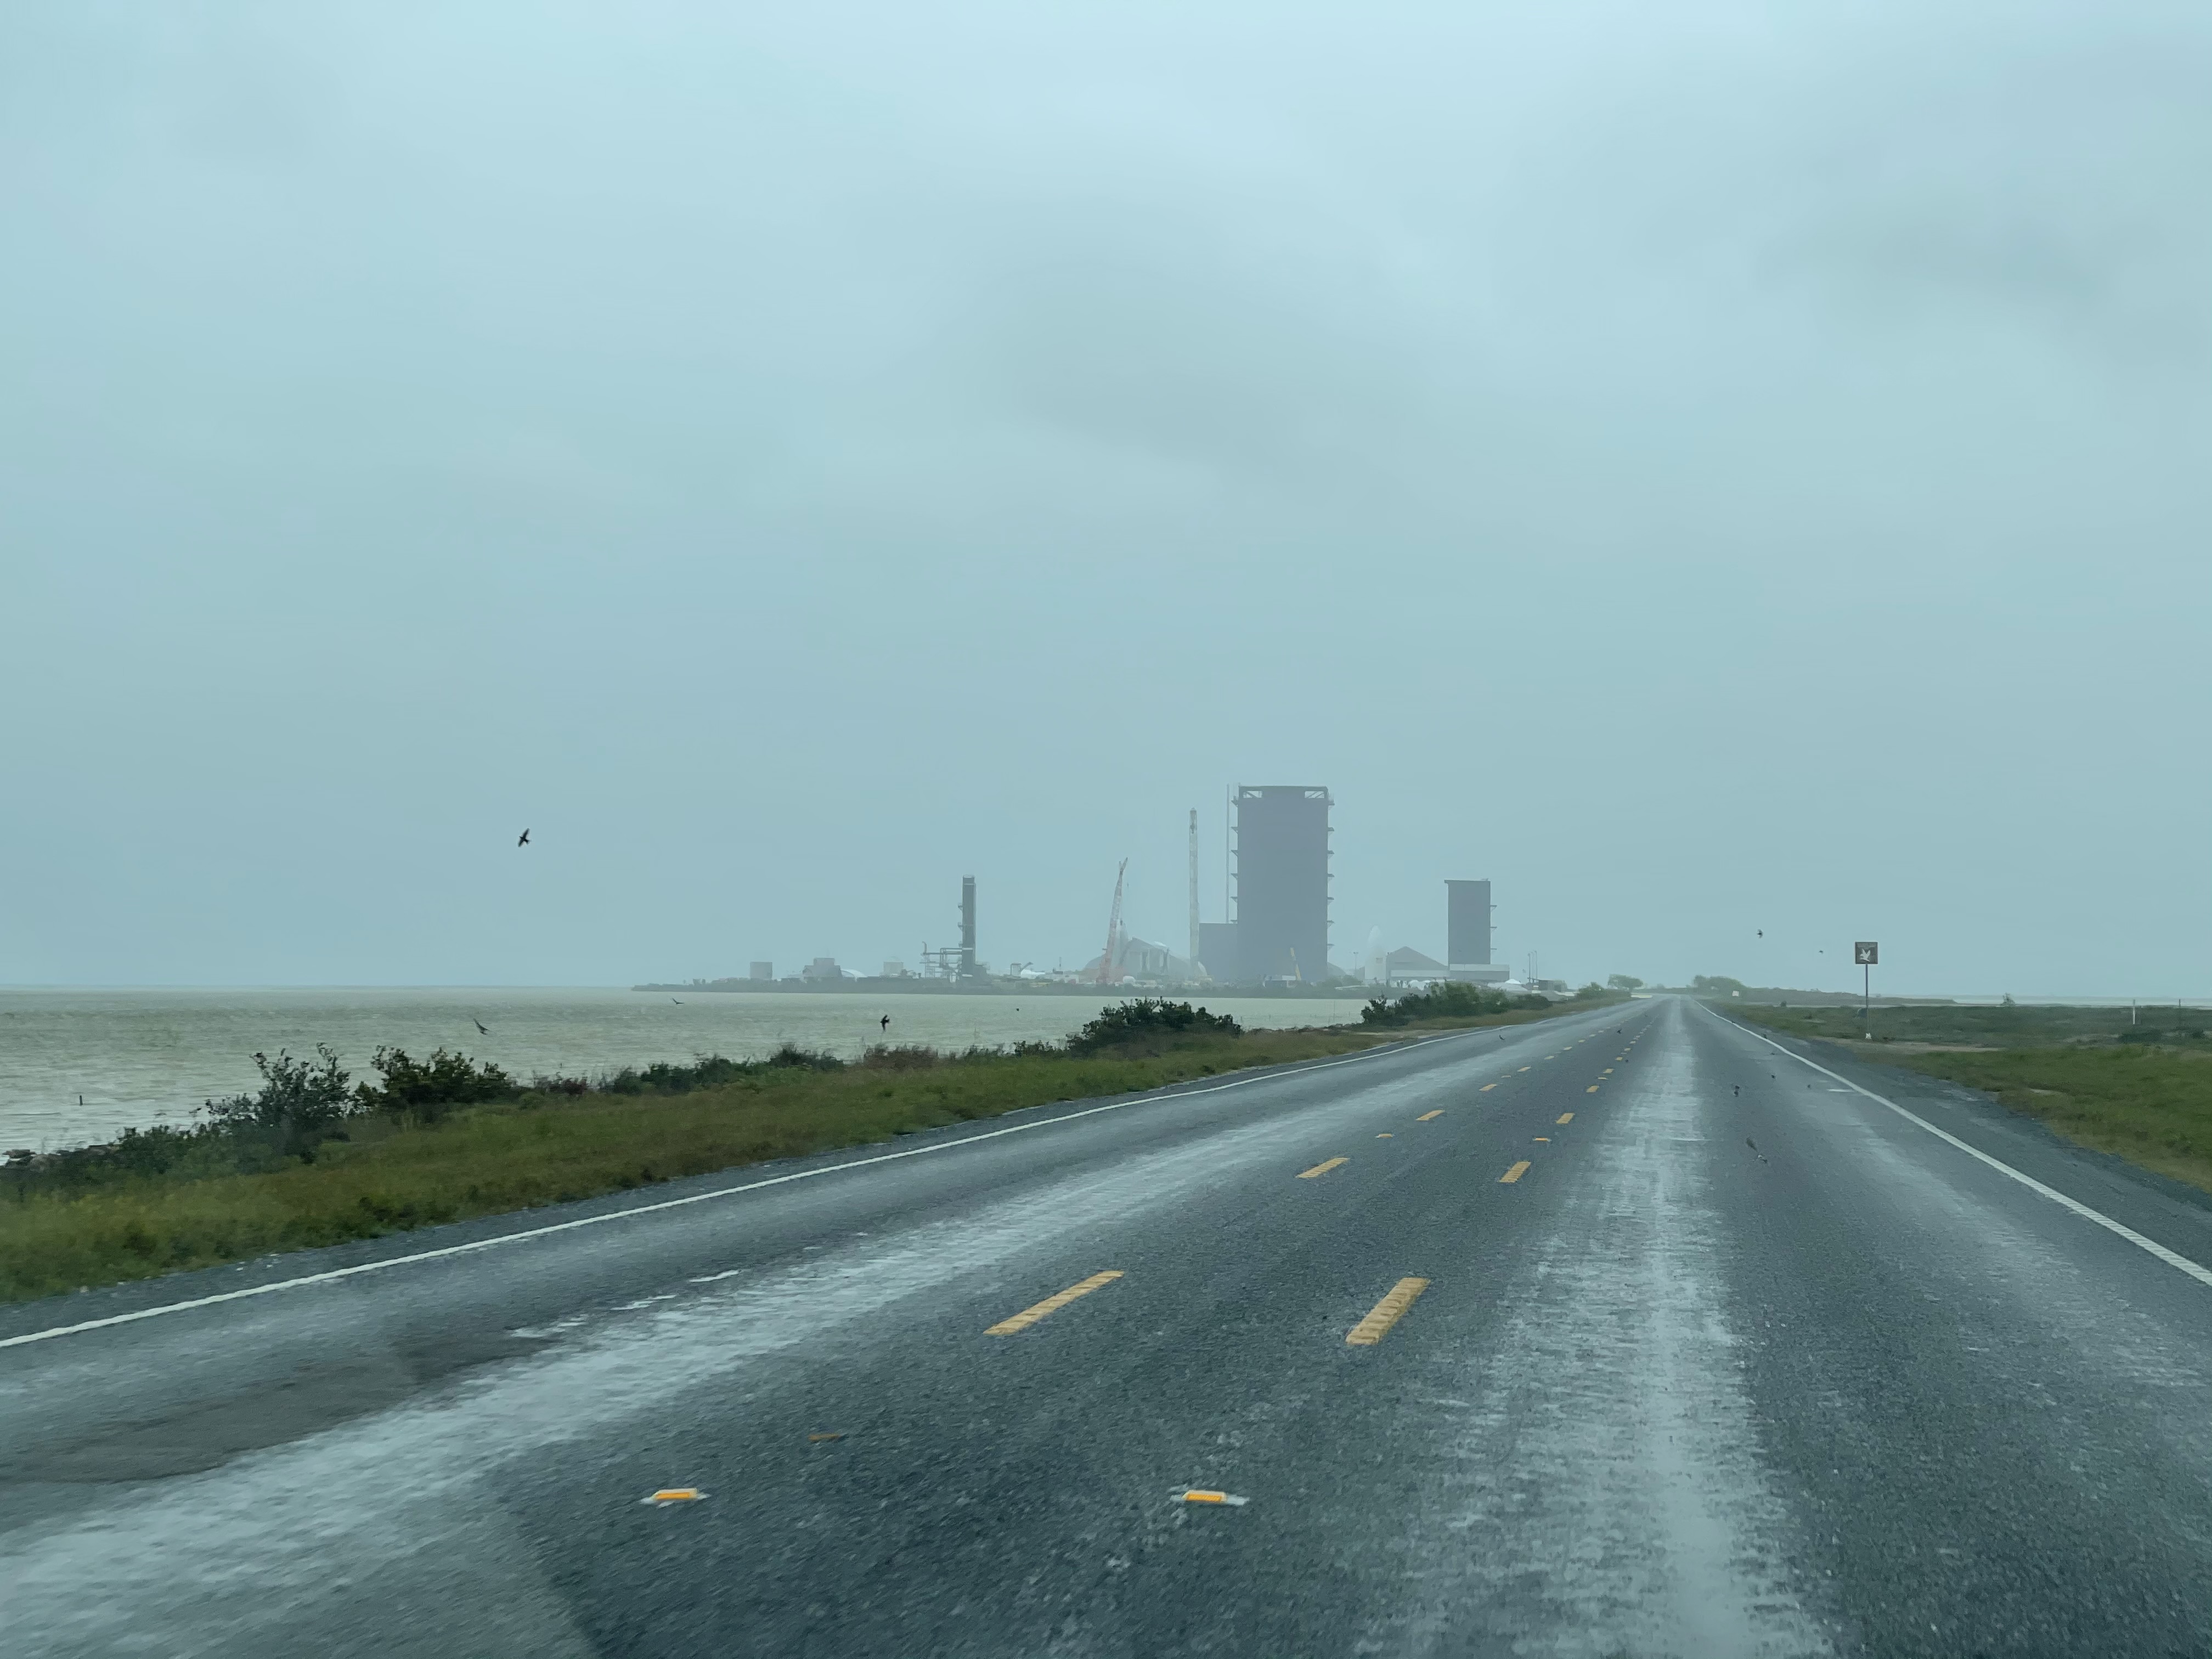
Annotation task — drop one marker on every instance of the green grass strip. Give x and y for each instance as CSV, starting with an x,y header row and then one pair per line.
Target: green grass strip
x,y
489,1160
2148,1103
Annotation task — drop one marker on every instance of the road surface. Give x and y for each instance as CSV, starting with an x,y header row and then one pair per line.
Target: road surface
x,y
1743,1359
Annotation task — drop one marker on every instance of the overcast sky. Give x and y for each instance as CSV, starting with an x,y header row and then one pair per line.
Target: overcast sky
x,y
1706,468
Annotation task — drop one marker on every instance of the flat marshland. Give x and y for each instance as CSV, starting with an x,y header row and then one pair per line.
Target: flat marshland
x,y
444,1140
2137,1084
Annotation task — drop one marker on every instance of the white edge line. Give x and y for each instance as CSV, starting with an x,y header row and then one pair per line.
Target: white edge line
x,y
2201,1275
699,1198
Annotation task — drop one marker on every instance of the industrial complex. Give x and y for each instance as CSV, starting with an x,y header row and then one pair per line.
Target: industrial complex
x,y
1275,936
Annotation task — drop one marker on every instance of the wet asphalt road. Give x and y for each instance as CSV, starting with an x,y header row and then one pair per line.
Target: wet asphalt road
x,y
1744,1361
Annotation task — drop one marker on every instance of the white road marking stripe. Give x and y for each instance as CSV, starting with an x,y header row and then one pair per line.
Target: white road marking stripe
x,y
2201,1275
335,1273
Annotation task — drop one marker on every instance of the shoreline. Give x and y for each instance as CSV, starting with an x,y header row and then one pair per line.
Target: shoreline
x,y
402,1169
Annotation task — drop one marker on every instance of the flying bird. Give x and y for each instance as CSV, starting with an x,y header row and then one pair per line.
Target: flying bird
x,y
679,1001
1762,932
480,1025
887,1022
524,841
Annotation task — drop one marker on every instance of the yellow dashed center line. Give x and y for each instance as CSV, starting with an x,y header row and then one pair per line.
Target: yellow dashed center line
x,y
1322,1168
1425,1116
1385,1314
1485,1088
1591,1089
1051,1304
1386,1135
1543,1137
1524,1068
1566,1117
1514,1174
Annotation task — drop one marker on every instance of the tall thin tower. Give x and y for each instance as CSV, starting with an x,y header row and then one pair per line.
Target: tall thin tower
x,y
1194,884
967,927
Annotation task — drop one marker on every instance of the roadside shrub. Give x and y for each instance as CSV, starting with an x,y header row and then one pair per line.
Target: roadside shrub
x,y
1148,1020
430,1089
300,1105
297,1095
1447,999
669,1078
811,1059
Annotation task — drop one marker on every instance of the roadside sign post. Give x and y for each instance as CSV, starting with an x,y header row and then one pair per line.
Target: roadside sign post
x,y
1866,952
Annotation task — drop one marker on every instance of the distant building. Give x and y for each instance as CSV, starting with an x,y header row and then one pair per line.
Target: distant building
x,y
1282,883
1407,966
1466,918
1140,959
895,970
822,968
761,971
1216,948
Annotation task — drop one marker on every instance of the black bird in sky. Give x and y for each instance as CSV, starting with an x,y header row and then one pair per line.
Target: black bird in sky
x,y
480,1025
679,1001
1762,932
524,841
887,1022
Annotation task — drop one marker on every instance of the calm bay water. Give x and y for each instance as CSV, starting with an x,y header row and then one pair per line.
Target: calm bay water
x,y
142,1057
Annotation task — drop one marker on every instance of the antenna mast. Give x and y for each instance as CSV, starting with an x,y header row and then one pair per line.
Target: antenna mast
x,y
1194,885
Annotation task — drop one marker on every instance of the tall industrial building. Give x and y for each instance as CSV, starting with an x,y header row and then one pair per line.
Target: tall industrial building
x,y
1281,869
1467,929
967,927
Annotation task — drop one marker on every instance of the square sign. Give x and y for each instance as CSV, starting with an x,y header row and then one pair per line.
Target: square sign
x,y
1866,954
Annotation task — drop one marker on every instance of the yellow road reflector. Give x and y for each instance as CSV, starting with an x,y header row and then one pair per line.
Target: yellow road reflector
x,y
1425,1116
1322,1168
1207,1495
1051,1304
1385,1314
1591,1089
1514,1173
816,1438
1566,1117
668,1495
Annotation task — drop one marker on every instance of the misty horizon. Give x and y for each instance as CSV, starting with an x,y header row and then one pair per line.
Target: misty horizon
x,y
1702,473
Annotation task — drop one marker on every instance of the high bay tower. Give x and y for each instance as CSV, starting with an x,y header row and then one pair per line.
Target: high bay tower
x,y
1466,928
1280,859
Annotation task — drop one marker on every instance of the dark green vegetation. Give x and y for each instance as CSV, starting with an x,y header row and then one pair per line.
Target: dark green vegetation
x,y
1151,1024
2140,1087
1453,1001
312,1158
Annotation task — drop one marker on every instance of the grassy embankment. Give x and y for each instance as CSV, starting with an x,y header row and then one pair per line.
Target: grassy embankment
x,y
388,1171
2140,1089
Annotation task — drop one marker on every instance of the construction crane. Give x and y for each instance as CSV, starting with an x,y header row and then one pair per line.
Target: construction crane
x,y
1106,975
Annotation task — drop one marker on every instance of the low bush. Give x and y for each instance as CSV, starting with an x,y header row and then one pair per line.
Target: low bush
x,y
1148,1021
1447,999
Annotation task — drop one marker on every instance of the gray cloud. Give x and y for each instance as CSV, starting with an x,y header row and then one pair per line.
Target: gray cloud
x,y
1710,470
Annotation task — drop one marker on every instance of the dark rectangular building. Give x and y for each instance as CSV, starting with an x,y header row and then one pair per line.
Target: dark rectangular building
x,y
1216,950
1467,924
1282,883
